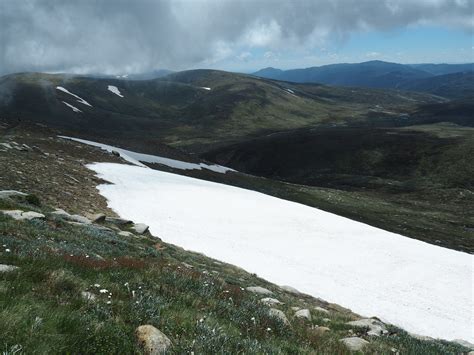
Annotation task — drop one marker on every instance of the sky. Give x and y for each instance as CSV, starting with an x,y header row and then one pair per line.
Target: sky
x,y
124,37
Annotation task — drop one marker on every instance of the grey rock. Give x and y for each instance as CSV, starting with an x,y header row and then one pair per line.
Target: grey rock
x,y
98,218
20,215
268,301
290,290
88,296
421,337
303,313
354,343
126,234
376,327
11,193
7,268
321,309
464,343
118,221
259,290
140,228
152,340
71,217
276,313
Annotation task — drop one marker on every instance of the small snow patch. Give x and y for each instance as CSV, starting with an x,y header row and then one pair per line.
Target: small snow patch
x,y
205,88
137,158
79,99
75,109
115,90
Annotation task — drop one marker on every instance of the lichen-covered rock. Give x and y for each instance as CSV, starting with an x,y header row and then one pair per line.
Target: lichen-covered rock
x,y
260,290
152,340
354,343
290,290
11,193
7,268
376,327
20,215
140,228
303,313
321,309
268,301
276,313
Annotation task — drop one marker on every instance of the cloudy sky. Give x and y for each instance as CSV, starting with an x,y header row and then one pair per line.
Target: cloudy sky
x,y
132,36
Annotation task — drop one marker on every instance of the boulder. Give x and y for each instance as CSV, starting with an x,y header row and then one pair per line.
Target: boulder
x,y
376,327
20,215
276,313
88,296
303,313
11,193
97,218
118,221
268,301
354,343
7,268
464,343
71,217
259,290
290,290
152,340
321,310
140,228
126,234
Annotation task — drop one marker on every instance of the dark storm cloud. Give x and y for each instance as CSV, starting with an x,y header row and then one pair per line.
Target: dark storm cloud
x,y
126,36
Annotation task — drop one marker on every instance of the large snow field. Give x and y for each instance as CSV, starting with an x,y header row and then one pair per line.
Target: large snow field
x,y
422,288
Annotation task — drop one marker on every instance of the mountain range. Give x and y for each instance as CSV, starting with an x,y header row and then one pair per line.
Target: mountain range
x,y
450,80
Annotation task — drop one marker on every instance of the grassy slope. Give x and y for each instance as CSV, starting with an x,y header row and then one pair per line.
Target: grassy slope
x,y
175,110
42,311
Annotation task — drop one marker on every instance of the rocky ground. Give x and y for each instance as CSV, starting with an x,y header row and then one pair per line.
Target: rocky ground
x,y
74,278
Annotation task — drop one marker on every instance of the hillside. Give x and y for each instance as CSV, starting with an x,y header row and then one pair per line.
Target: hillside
x,y
193,109
447,80
82,286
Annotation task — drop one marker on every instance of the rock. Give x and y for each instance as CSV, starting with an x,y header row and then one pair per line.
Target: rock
x,y
7,268
259,290
118,221
126,234
464,343
98,218
140,228
152,340
268,301
470,353
421,337
354,343
376,327
294,309
290,290
20,215
321,309
276,313
11,193
303,313
71,217
88,296
114,152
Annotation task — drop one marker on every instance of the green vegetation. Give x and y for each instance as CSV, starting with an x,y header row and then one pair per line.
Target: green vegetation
x,y
199,303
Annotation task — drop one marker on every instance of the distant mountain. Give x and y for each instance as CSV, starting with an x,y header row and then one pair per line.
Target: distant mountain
x,y
441,69
373,74
456,85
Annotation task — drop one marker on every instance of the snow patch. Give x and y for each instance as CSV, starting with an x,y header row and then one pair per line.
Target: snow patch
x,y
115,90
79,99
137,158
75,109
423,288
205,88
